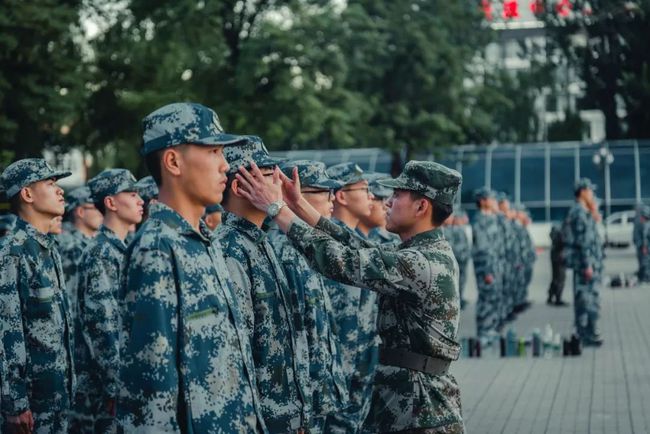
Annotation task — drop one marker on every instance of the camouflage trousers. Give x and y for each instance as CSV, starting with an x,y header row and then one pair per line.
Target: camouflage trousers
x,y
462,278
644,266
586,301
488,307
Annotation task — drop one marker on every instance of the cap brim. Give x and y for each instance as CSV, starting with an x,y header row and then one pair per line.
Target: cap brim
x,y
394,184
221,140
57,175
329,184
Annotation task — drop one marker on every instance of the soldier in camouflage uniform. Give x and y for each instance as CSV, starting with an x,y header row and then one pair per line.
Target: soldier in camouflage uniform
x,y
584,253
640,220
454,231
487,236
115,194
328,384
528,257
355,308
185,358
419,305
643,243
38,371
148,191
373,226
511,261
85,220
277,332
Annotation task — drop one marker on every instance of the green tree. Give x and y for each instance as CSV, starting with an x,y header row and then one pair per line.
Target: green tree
x,y
40,74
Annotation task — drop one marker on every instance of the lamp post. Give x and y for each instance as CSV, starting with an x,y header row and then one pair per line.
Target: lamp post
x,y
603,158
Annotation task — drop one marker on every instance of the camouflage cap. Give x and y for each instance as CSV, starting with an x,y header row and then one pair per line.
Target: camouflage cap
x,y
585,183
253,150
110,182
644,211
312,174
184,123
435,181
378,190
347,173
27,171
7,222
77,197
502,196
147,188
213,208
483,193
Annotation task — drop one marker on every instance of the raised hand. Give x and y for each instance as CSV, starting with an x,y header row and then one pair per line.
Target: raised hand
x,y
253,187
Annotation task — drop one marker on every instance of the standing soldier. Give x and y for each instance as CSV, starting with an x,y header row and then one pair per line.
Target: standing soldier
x,y
115,194
457,237
511,261
277,335
644,244
558,266
419,314
486,235
329,390
355,308
85,219
185,359
38,378
528,258
373,226
148,191
637,239
585,258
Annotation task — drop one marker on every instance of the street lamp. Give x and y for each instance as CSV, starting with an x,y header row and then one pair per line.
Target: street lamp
x,y
603,158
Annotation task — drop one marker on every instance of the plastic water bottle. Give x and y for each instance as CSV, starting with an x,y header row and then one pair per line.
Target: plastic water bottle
x,y
511,343
557,345
537,343
547,342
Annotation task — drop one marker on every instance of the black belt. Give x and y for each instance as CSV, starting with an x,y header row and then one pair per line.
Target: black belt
x,y
413,361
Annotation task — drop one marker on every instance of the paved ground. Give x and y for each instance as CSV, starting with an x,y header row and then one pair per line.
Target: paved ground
x,y
606,390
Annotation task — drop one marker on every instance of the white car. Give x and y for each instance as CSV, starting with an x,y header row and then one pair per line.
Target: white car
x,y
619,227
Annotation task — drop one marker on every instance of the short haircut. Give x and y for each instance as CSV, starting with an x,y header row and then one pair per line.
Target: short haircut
x,y
578,191
439,211
153,161
14,203
100,206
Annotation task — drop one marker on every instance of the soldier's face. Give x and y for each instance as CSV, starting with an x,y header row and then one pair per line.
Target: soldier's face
x,y
204,171
129,207
56,226
47,197
321,200
377,217
89,216
356,198
213,220
402,210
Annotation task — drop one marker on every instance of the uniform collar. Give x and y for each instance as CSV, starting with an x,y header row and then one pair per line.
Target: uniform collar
x,y
174,220
43,239
422,238
244,226
112,238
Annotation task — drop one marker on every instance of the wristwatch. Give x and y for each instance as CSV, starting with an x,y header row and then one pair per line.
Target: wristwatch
x,y
274,208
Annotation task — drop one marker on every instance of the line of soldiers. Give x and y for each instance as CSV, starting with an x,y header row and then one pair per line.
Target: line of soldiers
x,y
641,240
504,255
256,296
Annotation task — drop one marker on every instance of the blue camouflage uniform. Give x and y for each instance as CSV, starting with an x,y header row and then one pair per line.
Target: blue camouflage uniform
x,y
511,263
185,358
640,242
99,281
6,224
270,309
38,366
529,256
355,312
419,309
487,260
328,382
584,250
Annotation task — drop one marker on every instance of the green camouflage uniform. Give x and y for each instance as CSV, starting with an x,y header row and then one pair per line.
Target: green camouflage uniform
x,y
38,366
185,358
419,307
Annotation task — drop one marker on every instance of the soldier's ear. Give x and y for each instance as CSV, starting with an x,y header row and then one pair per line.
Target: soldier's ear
x,y
234,188
170,161
26,195
339,197
109,203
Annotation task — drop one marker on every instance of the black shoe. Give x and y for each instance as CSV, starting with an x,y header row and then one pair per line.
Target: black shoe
x,y
561,303
549,301
593,341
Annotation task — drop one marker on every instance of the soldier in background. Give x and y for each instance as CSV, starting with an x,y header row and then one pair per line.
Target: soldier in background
x,y
528,257
7,222
38,370
185,358
213,215
487,238
454,230
413,391
115,195
355,308
328,382
373,226
558,267
148,191
82,221
637,239
511,261
643,246
584,251
270,310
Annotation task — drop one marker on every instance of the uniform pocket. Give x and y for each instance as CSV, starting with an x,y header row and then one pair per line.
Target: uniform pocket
x,y
40,303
